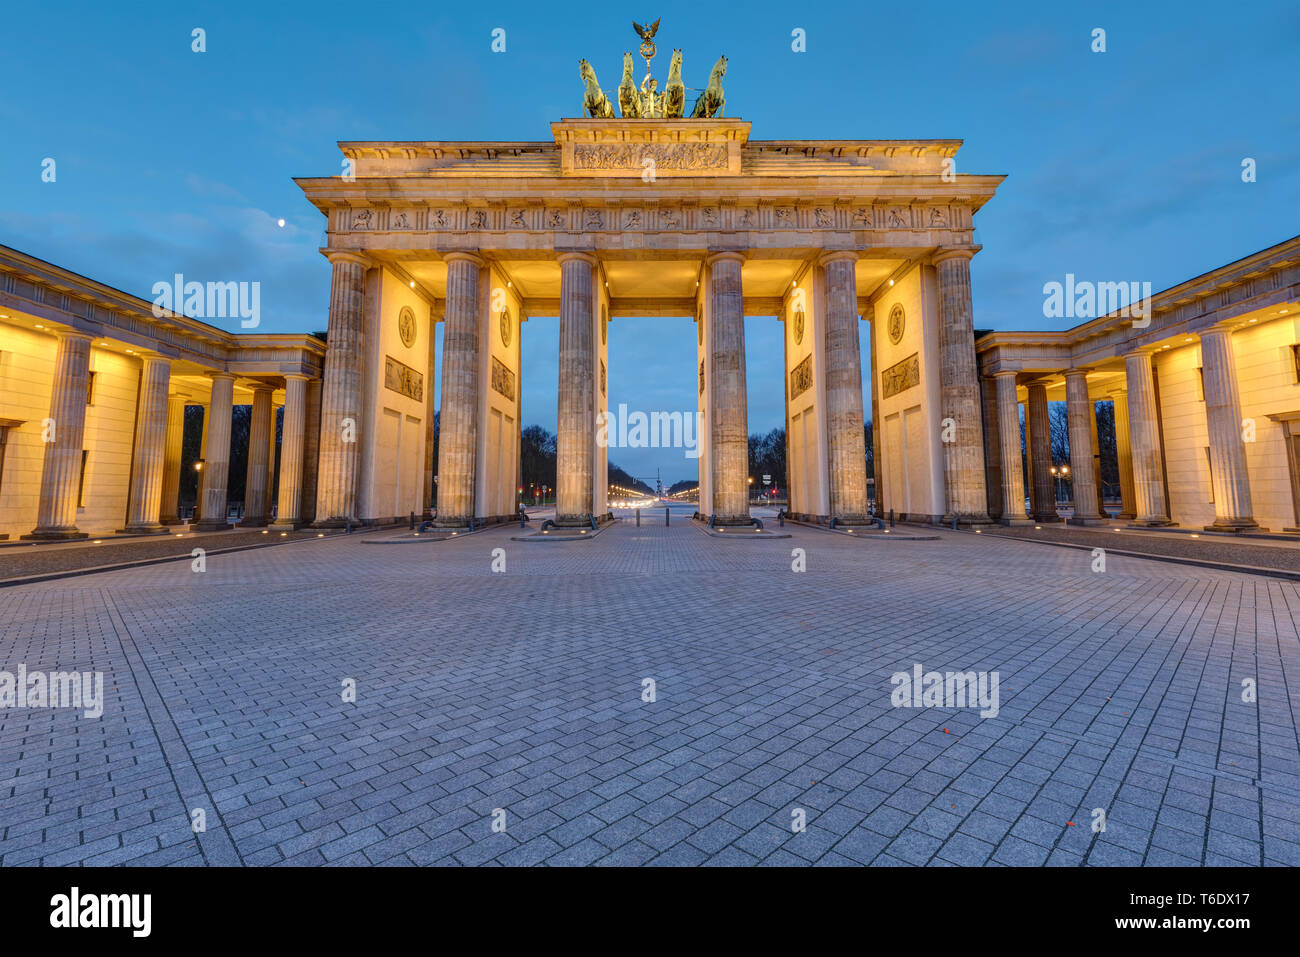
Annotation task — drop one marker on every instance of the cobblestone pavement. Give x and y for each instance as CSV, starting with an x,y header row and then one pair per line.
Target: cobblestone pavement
x,y
522,691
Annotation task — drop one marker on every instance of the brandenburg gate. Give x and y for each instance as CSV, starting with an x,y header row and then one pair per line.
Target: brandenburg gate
x,y
653,213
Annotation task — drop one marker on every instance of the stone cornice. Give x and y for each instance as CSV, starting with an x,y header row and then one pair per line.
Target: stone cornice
x,y
1261,280
76,304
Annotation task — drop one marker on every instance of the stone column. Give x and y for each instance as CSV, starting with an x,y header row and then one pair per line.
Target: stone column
x,y
1013,469
430,459
270,463
291,447
1039,426
311,452
959,390
1077,407
458,432
169,511
148,459
992,447
1096,458
729,430
255,490
341,400
215,477
1144,440
878,464
575,437
846,443
1123,455
1228,475
56,515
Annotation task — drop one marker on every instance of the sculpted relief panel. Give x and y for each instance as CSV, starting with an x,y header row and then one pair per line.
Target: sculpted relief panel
x,y
692,157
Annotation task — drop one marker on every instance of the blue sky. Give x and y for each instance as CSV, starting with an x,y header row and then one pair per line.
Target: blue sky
x,y
1122,165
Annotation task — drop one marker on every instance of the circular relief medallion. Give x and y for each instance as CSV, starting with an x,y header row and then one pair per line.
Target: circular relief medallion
x,y
406,326
896,321
604,324
799,320
507,327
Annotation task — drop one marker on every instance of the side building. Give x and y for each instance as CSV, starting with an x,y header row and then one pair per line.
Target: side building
x,y
1206,394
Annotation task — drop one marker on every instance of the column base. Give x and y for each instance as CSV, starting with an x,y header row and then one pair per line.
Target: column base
x,y
1087,520
212,526
1126,516
149,529
53,535
1048,519
294,523
334,522
731,520
1236,526
1153,523
968,521
253,523
1026,520
171,520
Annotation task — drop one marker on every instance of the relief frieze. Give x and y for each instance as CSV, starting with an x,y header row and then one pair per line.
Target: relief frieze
x,y
901,376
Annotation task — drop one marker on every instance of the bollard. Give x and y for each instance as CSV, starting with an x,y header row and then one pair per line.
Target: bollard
x,y
891,518
349,525
666,522
638,518
954,523
412,521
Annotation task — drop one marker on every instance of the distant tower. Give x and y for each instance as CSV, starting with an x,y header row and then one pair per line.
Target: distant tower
x,y
659,484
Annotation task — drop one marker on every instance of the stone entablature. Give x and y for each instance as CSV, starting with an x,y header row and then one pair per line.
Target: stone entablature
x,y
1259,281
688,185
74,303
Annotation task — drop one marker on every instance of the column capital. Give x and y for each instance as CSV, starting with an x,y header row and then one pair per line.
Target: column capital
x,y
576,255
1076,372
462,255
336,256
837,255
953,252
1002,373
724,255
298,375
74,334
220,375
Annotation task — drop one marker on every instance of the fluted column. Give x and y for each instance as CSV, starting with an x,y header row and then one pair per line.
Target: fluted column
x,y
1013,469
575,437
311,452
846,442
1078,406
1228,475
729,430
1144,440
341,399
169,505
1123,455
992,447
430,457
215,478
1038,425
148,458
458,432
270,464
255,490
959,390
56,515
292,436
